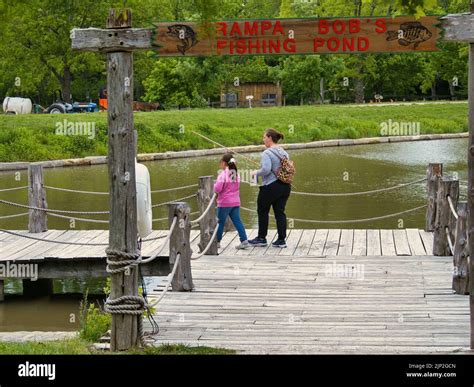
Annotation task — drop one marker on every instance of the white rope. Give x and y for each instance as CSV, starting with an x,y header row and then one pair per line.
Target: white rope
x,y
451,205
13,216
349,221
450,243
76,191
173,225
173,201
51,210
166,218
79,219
211,202
13,189
168,282
359,193
51,240
208,245
174,189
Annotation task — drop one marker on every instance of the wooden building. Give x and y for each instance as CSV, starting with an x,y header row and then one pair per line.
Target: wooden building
x,y
263,93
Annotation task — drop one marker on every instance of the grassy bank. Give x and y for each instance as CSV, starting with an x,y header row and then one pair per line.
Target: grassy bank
x,y
33,137
79,346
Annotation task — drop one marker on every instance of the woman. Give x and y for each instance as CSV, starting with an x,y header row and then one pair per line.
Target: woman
x,y
273,192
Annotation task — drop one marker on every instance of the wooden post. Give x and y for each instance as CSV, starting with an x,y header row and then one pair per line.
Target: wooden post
x,y
209,222
433,175
122,186
36,198
444,218
461,269
180,244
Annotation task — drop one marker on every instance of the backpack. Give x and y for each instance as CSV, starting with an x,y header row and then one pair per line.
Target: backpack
x,y
286,172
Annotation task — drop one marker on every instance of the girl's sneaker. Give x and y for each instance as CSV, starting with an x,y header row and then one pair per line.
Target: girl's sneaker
x,y
243,245
218,245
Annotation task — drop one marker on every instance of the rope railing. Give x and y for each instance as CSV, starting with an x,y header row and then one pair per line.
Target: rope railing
x,y
79,219
173,201
207,247
101,192
203,215
451,206
13,189
359,193
76,191
13,216
166,218
175,188
349,220
168,282
53,210
450,242
153,257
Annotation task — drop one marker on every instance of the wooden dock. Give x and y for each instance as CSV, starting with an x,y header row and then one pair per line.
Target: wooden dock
x,y
327,242
303,304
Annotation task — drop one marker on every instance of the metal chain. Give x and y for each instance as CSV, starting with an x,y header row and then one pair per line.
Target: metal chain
x,y
51,210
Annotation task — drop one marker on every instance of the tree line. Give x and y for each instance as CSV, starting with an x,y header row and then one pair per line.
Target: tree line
x,y
36,58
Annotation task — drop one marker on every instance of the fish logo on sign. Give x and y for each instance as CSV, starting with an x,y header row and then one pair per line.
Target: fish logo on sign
x,y
186,36
410,33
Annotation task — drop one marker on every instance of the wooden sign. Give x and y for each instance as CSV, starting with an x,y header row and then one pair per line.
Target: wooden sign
x,y
297,36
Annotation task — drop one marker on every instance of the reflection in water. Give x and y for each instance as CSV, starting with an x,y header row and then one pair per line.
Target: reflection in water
x,y
339,169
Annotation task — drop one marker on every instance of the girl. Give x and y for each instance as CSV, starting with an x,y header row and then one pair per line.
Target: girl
x,y
228,199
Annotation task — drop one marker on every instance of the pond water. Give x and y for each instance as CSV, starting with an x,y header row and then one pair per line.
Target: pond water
x,y
325,170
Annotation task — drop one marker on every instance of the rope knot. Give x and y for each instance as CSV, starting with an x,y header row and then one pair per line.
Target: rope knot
x,y
122,260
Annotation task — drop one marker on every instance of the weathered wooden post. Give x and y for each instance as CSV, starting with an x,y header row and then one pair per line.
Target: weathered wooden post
x,y
444,218
433,175
37,221
209,223
461,273
118,40
459,28
180,244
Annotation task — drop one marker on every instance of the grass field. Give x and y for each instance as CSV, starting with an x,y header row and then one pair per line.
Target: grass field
x,y
76,346
34,138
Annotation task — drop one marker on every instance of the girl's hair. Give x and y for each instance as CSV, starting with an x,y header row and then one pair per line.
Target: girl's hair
x,y
229,159
276,136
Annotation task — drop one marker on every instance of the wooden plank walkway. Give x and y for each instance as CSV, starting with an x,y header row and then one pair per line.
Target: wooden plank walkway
x,y
321,242
268,304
